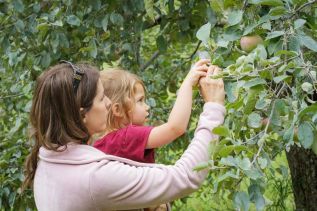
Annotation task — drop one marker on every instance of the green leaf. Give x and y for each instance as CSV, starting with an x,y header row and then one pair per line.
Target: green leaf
x,y
256,196
20,25
254,82
245,164
221,131
274,34
285,52
278,11
289,134
229,161
261,51
251,101
149,7
241,201
294,43
93,49
225,151
235,17
267,2
250,28
104,23
309,109
201,166
254,120
262,162
18,5
280,78
212,19
307,87
231,91
73,20
161,43
308,42
116,19
225,176
299,23
267,26
305,135
204,32
45,59
254,173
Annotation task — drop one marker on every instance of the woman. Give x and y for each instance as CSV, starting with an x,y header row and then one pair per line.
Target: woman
x,y
68,107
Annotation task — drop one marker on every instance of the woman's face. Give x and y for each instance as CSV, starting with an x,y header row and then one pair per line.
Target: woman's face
x,y
95,119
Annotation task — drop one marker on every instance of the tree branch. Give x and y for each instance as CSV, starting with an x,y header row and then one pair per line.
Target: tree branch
x,y
195,51
303,6
148,63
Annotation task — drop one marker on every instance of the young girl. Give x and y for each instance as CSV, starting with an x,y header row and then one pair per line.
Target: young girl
x,y
126,135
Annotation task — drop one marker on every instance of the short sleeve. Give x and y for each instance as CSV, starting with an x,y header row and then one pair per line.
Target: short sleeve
x,y
134,145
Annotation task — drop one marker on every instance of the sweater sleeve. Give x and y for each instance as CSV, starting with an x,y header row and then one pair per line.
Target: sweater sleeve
x,y
117,185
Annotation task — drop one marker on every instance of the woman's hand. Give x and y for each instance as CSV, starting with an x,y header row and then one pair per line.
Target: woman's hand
x,y
212,90
197,71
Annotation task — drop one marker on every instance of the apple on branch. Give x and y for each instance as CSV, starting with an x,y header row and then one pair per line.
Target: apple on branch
x,y
248,43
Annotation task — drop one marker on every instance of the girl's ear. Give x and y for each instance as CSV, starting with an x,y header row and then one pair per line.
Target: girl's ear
x,y
83,114
117,110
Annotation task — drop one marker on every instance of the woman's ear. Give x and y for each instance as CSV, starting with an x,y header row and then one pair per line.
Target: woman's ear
x,y
117,110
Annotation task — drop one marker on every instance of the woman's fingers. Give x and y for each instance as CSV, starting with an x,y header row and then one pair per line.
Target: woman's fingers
x,y
203,68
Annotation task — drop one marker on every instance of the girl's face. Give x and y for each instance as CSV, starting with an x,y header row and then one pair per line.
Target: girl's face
x,y
140,109
95,119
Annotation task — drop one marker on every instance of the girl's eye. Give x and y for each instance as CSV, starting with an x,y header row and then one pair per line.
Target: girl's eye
x,y
141,100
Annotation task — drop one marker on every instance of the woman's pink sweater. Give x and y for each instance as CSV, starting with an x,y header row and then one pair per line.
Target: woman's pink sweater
x,y
84,178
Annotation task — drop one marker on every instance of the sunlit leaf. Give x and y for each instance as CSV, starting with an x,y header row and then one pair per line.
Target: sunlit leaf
x,y
235,17
305,135
204,32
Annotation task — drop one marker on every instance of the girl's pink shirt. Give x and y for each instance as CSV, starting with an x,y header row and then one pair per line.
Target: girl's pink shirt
x,y
84,178
128,142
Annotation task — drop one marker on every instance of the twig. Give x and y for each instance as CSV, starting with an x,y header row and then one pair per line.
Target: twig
x,y
245,4
9,96
267,126
301,7
148,63
196,49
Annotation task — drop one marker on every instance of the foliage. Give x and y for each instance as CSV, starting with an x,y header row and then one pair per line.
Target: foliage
x,y
157,40
271,91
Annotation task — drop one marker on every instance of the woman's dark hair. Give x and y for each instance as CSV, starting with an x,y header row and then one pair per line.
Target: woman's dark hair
x,y
56,116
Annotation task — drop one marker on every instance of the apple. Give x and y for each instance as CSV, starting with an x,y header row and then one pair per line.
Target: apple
x,y
248,43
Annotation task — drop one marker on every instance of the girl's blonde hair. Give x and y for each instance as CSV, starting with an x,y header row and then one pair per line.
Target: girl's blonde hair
x,y
119,86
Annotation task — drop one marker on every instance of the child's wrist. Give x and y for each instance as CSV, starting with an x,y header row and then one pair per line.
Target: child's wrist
x,y
187,82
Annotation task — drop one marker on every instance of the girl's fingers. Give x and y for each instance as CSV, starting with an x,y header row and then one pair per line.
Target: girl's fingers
x,y
202,62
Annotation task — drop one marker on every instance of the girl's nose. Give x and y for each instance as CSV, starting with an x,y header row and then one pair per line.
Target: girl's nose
x,y
108,103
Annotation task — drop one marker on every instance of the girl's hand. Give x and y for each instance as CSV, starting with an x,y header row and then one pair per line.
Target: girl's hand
x,y
198,70
212,90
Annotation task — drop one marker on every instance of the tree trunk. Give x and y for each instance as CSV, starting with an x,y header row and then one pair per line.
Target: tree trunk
x,y
303,167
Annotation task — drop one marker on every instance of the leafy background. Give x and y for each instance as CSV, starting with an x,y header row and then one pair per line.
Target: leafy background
x,y
271,91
